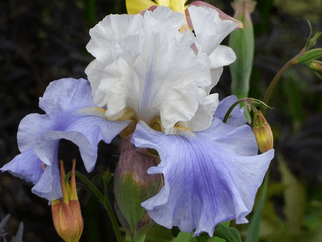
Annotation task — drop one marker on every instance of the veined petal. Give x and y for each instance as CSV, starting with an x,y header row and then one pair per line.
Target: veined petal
x,y
206,182
30,171
70,114
160,76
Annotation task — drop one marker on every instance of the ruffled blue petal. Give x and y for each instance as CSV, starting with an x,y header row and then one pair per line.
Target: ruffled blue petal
x,y
237,117
25,166
71,115
208,179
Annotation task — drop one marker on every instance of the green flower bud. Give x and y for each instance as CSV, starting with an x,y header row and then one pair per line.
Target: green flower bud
x,y
314,39
263,132
316,65
132,186
309,56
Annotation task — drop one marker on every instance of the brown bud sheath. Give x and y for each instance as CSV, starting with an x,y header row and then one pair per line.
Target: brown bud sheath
x,y
67,216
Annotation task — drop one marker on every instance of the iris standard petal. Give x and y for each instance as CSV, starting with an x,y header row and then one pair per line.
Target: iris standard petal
x,y
151,70
210,30
208,180
71,115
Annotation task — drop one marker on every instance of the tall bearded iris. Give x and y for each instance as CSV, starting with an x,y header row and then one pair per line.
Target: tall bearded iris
x,y
158,79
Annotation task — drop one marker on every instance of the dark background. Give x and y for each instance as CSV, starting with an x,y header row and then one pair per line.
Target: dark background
x,y
42,41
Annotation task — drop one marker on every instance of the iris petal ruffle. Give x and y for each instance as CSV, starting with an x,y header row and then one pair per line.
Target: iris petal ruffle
x,y
143,73
71,115
210,176
210,30
137,67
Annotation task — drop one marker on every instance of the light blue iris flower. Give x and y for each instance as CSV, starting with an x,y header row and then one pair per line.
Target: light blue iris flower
x,y
70,114
148,73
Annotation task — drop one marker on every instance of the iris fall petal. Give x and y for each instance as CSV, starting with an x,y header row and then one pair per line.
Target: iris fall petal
x,y
210,176
71,115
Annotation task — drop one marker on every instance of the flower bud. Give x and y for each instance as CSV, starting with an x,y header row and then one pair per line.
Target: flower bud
x,y
316,65
263,132
313,40
308,56
67,217
132,186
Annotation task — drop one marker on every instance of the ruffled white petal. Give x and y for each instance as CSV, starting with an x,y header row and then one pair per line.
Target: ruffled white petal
x,y
210,30
155,72
222,56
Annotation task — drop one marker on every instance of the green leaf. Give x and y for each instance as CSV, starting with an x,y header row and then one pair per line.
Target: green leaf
x,y
253,230
294,197
159,234
230,234
247,115
183,237
242,42
203,238
217,239
309,56
90,9
294,103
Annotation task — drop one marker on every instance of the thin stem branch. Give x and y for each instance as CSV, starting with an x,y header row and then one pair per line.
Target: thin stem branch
x,y
273,83
102,199
232,107
113,219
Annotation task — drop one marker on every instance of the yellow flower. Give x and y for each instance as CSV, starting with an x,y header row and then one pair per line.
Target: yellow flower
x,y
136,6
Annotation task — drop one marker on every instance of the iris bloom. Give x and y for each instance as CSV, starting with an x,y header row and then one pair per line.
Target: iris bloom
x,y
149,76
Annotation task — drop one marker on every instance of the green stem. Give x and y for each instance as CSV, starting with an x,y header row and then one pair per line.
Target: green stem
x,y
232,107
90,185
102,199
113,219
273,83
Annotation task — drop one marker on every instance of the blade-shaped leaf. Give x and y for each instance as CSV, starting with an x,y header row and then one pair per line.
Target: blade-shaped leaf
x,y
294,197
253,230
242,42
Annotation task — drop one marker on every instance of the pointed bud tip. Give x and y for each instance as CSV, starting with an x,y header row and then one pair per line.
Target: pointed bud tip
x,y
263,132
66,212
316,65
